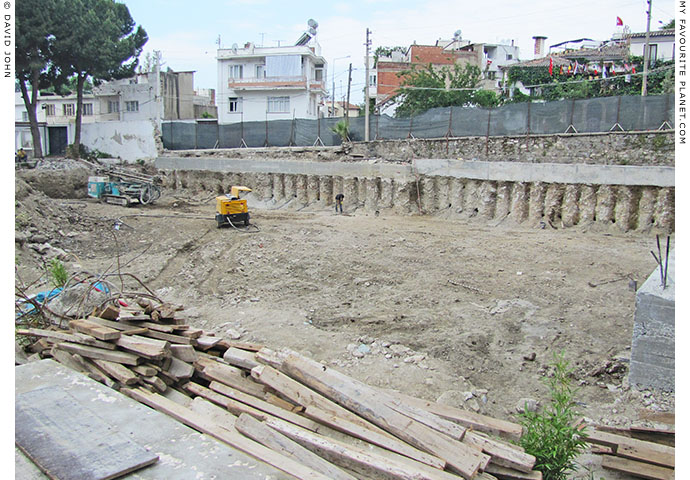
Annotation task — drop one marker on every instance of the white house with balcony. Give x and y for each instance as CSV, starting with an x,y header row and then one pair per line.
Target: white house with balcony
x,y
271,83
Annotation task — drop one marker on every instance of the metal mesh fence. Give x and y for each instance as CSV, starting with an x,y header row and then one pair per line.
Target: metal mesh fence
x,y
604,114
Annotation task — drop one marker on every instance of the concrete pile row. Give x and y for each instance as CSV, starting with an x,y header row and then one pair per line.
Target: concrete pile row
x,y
283,408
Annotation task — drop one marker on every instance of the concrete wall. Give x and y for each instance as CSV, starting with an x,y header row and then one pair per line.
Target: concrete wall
x,y
130,141
652,360
561,196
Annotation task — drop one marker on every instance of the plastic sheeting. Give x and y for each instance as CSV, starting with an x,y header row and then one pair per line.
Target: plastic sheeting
x,y
620,113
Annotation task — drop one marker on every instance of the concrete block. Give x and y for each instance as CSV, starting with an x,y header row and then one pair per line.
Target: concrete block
x,y
652,360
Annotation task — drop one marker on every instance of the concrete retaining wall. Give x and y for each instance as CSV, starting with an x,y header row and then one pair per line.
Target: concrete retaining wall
x,y
652,360
628,198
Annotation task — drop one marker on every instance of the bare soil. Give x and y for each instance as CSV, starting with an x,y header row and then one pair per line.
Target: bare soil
x,y
456,311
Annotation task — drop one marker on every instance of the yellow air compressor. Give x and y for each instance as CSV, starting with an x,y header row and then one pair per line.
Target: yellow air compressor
x,y
230,209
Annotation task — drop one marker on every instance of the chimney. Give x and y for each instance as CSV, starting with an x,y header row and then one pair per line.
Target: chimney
x,y
539,46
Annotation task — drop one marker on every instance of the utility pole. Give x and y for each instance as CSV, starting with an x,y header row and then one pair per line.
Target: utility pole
x,y
645,60
347,104
366,89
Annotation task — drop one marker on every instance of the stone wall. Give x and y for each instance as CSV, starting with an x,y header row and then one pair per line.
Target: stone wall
x,y
615,148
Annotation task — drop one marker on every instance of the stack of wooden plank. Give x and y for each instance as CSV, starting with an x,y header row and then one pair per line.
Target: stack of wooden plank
x,y
652,458
288,410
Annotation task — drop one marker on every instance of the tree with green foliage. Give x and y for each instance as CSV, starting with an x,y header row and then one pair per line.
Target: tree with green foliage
x,y
33,53
95,39
670,25
551,435
428,87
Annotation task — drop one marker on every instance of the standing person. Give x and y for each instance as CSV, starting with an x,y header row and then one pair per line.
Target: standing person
x,y
339,202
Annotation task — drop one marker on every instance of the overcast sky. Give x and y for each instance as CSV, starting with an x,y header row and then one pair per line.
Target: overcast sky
x,y
187,32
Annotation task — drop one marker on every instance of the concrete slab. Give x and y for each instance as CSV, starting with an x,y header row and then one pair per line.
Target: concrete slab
x,y
652,358
183,453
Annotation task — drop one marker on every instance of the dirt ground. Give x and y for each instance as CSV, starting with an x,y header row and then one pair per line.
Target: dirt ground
x,y
461,312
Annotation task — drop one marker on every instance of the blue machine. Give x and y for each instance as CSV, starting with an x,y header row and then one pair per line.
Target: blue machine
x,y
124,189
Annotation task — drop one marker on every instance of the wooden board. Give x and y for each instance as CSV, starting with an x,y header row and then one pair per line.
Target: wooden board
x,y
94,329
505,473
639,469
664,452
74,444
169,337
375,438
149,348
360,460
122,327
258,431
186,353
235,439
117,371
101,354
366,401
476,421
64,336
233,377
240,358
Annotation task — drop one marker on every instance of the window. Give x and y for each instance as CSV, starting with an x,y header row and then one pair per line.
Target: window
x,y
132,106
234,104
87,109
318,73
235,71
278,105
491,75
113,106
68,109
652,52
261,71
25,116
509,57
50,109
372,80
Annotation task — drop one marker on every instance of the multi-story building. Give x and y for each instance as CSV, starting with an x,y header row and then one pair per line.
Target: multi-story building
x,y
271,83
490,58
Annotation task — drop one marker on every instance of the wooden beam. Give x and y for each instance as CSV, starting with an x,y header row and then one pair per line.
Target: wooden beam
x,y
505,473
146,347
265,406
364,462
101,354
366,401
252,347
122,327
186,353
637,469
240,358
375,438
57,336
234,439
169,337
180,369
453,430
117,371
95,330
501,454
305,396
475,421
663,454
254,429
234,377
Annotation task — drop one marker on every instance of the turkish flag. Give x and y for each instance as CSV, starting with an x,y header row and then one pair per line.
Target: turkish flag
x,y
619,21
551,66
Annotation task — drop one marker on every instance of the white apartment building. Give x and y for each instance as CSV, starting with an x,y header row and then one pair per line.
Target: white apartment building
x,y
271,83
662,45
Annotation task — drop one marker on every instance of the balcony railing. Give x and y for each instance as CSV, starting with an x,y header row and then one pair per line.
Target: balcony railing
x,y
275,82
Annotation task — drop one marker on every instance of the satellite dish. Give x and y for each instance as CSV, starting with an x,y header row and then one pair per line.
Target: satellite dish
x,y
458,34
313,23
312,31
234,46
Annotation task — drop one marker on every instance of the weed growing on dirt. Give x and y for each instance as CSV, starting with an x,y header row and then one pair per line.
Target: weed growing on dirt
x,y
551,436
57,273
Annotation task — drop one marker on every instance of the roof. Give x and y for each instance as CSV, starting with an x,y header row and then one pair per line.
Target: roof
x,y
606,52
572,41
657,33
542,62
